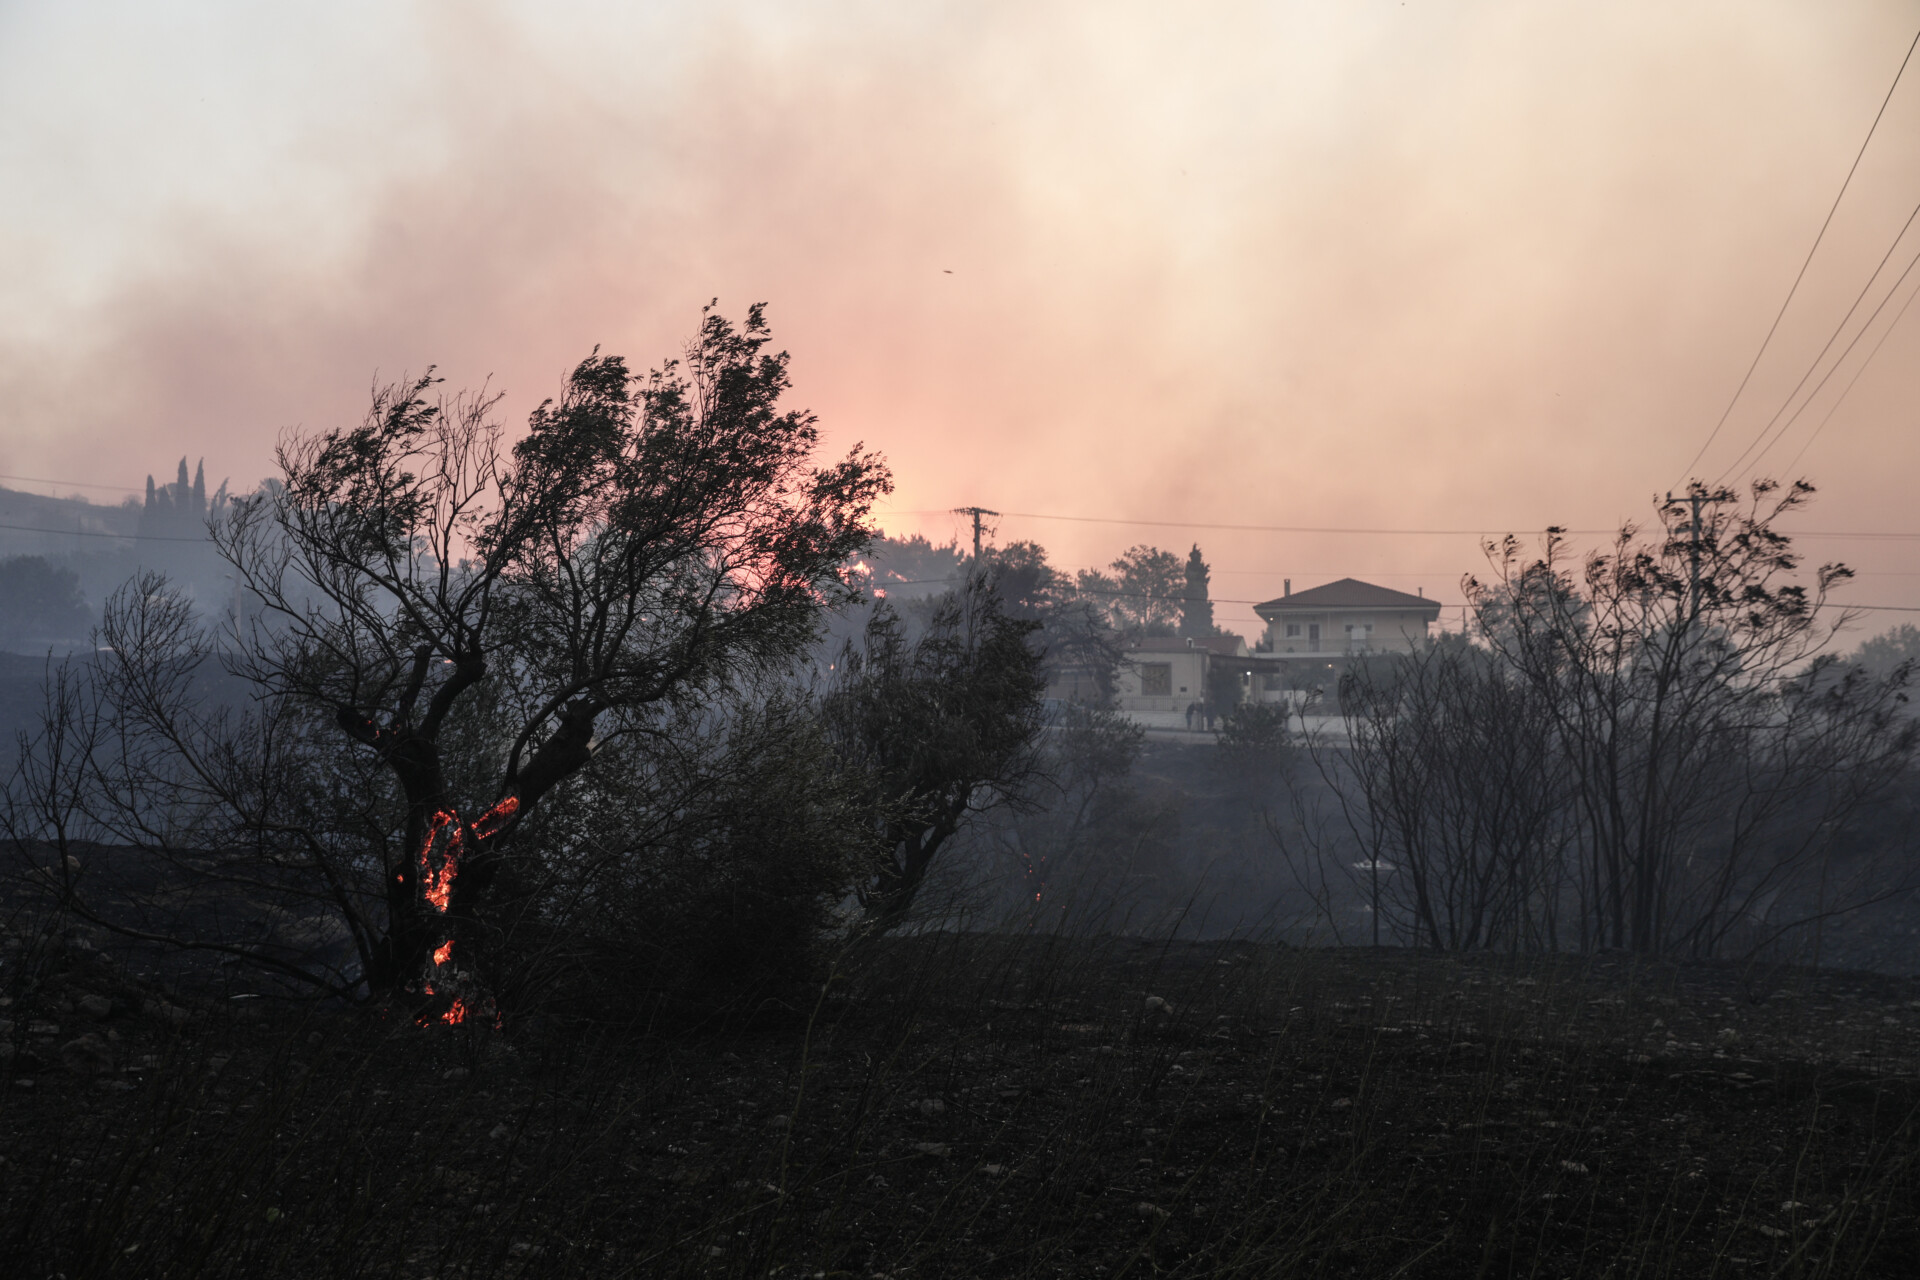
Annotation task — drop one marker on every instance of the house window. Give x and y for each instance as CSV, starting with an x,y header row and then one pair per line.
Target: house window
x,y
1313,637
1156,679
1293,631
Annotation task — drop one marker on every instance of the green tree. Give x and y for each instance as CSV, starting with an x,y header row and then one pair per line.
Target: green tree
x,y
1082,651
912,566
1143,593
1886,653
447,628
1712,758
940,726
700,865
40,604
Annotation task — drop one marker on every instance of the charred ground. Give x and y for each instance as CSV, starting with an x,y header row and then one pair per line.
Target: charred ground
x,y
985,1105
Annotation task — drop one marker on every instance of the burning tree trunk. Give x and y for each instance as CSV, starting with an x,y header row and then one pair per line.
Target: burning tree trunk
x,y
475,618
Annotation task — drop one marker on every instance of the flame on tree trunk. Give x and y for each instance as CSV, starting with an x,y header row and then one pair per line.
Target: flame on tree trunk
x,y
429,891
436,881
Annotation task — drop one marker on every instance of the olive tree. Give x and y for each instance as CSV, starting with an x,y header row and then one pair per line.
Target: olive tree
x,y
1648,747
1712,757
938,724
440,625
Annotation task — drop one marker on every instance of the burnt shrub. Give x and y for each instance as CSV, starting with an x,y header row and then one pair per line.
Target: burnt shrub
x,y
701,872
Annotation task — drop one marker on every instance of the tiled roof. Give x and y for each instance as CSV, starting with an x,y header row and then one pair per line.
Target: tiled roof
x,y
1349,593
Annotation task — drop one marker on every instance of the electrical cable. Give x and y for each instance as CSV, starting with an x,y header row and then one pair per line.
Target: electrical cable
x,y
1129,595
88,533
1828,346
1841,359
1283,528
77,484
1835,406
1764,342
1143,595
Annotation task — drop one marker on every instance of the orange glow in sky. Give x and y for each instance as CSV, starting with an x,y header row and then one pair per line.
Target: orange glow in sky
x,y
1355,264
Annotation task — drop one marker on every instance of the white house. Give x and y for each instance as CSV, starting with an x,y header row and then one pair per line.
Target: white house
x,y
1174,683
1344,618
1163,679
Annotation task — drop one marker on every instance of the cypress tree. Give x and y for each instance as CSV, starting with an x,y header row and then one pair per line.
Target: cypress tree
x,y
1196,610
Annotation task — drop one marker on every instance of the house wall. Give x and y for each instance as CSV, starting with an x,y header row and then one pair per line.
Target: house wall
x,y
1394,630
1186,682
1279,678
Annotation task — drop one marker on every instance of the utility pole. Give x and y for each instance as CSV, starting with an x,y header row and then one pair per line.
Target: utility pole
x,y
976,513
1696,495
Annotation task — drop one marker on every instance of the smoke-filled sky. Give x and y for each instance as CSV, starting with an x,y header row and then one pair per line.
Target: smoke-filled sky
x,y
1359,264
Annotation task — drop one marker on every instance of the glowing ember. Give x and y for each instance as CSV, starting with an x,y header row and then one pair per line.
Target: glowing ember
x,y
436,886
490,822
1036,873
437,882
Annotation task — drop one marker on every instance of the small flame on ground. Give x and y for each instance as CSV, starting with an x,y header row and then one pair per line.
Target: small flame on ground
x,y
1036,872
455,1014
443,951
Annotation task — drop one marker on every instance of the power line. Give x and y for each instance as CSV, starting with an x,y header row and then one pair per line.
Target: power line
x,y
77,484
1834,337
1241,528
1144,595
1123,595
87,533
1284,528
1764,342
1835,406
1330,573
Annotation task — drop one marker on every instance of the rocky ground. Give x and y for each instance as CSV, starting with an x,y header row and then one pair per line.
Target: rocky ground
x,y
984,1106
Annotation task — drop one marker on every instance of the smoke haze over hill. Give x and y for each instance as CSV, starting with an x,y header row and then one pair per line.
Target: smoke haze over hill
x,y
1339,265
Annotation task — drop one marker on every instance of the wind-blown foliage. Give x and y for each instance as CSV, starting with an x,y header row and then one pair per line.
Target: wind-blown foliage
x,y
442,628
1650,750
939,725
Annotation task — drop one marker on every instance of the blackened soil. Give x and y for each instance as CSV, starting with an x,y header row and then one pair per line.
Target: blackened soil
x,y
984,1106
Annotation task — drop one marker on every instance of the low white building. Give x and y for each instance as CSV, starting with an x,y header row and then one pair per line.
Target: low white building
x,y
1163,679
